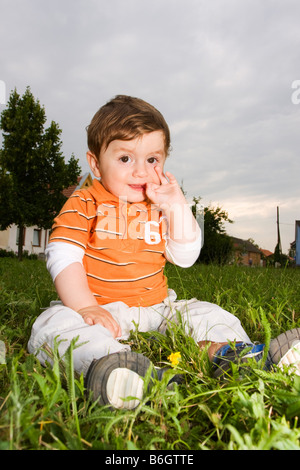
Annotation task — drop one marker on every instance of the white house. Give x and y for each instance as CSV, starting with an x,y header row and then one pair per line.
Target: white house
x,y
36,239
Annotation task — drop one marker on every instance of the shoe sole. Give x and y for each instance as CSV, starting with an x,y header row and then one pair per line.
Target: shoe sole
x,y
117,379
285,350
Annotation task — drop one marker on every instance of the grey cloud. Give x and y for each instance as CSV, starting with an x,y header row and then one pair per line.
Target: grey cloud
x,y
220,72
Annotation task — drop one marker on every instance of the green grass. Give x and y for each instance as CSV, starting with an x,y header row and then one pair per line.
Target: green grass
x,y
47,408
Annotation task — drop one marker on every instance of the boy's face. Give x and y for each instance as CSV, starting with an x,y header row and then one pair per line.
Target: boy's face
x,y
126,166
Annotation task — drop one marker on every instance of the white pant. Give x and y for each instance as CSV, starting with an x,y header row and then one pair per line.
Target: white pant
x,y
202,320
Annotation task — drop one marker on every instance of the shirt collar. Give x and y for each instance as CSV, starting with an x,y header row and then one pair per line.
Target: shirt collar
x,y
101,195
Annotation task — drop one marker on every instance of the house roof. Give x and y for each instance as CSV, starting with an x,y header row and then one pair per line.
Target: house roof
x,y
245,245
266,252
83,181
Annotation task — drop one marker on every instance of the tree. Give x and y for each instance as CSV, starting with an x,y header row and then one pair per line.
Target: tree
x,y
33,172
217,247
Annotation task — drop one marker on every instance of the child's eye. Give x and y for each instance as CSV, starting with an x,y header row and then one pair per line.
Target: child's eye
x,y
125,159
152,160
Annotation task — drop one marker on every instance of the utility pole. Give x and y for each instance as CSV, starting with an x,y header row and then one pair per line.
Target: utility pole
x,y
278,252
278,232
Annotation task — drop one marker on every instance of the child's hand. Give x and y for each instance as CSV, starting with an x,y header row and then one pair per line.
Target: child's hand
x,y
97,315
168,196
168,192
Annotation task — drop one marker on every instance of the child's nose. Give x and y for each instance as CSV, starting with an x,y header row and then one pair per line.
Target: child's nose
x,y
139,170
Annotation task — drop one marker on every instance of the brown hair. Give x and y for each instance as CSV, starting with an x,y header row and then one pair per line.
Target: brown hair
x,y
124,118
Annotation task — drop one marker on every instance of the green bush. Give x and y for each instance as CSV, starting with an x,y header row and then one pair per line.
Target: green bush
x,y
7,253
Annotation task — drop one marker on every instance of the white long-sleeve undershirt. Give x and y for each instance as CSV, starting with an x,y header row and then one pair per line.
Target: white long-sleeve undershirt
x,y
59,255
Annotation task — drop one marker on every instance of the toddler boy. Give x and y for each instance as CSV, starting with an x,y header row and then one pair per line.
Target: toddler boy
x,y
107,253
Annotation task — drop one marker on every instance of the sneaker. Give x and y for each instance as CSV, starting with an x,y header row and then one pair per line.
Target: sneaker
x,y
284,351
118,379
239,354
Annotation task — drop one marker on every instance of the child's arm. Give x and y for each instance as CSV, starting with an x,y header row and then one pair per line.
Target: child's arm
x,y
72,286
74,292
183,227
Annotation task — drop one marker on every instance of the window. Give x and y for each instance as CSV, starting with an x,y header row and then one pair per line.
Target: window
x,y
36,237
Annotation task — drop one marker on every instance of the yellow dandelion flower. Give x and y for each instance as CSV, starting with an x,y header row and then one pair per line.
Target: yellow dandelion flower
x,y
174,358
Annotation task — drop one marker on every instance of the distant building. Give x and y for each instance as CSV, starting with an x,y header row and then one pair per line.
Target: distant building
x,y
35,238
292,251
246,253
267,257
266,253
297,243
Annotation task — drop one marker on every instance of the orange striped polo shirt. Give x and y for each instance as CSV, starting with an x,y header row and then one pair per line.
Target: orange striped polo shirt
x,y
124,245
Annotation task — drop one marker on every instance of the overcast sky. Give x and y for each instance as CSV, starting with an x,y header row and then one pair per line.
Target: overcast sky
x,y
221,71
